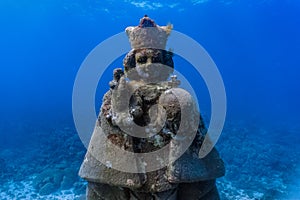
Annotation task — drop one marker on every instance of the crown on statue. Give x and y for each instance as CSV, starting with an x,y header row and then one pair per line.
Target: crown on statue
x,y
148,35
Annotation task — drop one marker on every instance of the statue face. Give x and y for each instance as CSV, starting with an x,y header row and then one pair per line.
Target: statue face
x,y
149,65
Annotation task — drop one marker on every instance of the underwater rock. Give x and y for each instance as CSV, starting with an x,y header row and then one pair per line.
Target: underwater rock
x,y
52,180
48,181
69,178
48,188
141,113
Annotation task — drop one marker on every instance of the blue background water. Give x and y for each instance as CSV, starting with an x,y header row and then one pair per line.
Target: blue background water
x,y
255,45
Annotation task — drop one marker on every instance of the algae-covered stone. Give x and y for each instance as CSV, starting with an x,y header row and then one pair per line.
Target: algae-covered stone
x,y
142,113
189,169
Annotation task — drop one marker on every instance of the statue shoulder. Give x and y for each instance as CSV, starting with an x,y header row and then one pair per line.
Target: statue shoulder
x,y
179,98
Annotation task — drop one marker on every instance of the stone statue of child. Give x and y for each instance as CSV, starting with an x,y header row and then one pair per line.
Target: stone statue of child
x,y
142,101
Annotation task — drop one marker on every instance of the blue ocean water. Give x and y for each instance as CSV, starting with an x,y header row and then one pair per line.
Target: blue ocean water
x,y
255,45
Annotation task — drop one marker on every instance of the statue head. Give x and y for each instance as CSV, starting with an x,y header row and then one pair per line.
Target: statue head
x,y
149,65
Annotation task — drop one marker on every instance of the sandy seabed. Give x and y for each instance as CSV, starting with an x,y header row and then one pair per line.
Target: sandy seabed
x,y
260,163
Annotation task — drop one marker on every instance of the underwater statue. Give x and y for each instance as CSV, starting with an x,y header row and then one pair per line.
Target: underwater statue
x,y
144,111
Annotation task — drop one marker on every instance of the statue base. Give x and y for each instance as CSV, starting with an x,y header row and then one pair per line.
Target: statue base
x,y
204,190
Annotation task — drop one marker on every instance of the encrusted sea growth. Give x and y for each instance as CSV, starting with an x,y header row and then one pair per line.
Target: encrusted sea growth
x,y
148,34
118,73
143,112
169,28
